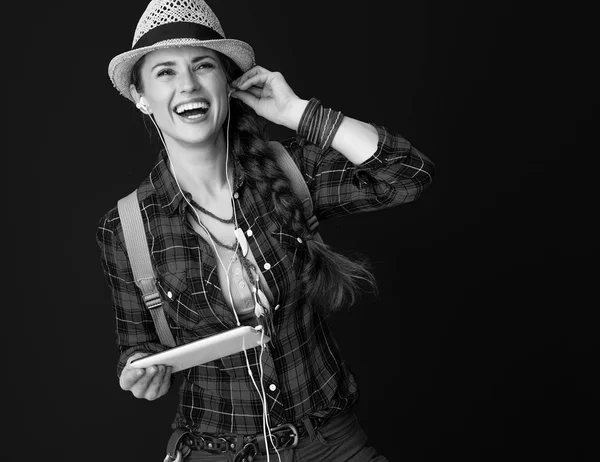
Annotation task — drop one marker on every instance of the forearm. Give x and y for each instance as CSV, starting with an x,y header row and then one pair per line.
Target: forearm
x,y
355,140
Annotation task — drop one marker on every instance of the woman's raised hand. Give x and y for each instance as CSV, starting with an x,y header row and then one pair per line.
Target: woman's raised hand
x,y
270,96
150,383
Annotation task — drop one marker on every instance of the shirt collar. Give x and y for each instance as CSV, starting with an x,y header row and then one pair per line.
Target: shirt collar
x,y
167,189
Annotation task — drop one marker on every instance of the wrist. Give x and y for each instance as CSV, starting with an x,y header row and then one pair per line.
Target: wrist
x,y
318,125
293,113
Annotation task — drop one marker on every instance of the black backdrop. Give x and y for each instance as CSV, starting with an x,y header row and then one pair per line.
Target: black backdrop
x,y
481,344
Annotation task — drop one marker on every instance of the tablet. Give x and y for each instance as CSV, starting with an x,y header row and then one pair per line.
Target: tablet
x,y
206,349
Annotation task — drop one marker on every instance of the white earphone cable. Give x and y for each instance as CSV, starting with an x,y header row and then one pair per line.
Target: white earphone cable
x,y
227,268
262,395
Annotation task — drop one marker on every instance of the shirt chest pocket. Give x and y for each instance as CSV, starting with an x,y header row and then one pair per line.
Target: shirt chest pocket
x,y
185,302
173,287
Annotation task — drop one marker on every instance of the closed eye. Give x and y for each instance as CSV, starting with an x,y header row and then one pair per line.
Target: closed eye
x,y
202,66
205,65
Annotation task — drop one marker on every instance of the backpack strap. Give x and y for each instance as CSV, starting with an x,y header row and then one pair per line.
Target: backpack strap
x,y
139,257
291,170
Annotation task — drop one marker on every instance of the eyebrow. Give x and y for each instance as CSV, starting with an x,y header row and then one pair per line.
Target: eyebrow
x,y
172,63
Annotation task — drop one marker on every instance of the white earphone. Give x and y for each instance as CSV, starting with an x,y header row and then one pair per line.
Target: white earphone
x,y
141,105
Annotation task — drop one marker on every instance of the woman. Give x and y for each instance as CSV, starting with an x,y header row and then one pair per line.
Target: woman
x,y
216,179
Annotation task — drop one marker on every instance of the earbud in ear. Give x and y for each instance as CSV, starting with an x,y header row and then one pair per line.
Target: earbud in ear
x,y
141,105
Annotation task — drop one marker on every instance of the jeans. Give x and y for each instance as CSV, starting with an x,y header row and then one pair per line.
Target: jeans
x,y
340,440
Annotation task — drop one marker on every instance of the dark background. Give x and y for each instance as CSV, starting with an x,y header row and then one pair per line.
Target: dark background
x,y
481,344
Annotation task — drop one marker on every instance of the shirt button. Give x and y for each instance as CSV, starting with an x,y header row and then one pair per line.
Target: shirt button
x,y
237,271
170,294
267,266
272,387
249,233
242,284
236,195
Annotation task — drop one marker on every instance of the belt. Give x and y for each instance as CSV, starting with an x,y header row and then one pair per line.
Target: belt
x,y
245,447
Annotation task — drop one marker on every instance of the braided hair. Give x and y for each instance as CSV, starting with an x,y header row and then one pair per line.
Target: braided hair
x,y
330,280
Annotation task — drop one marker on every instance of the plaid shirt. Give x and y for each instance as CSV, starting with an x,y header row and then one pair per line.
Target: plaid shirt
x,y
303,371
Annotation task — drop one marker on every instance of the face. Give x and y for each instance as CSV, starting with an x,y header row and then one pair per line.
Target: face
x,y
186,90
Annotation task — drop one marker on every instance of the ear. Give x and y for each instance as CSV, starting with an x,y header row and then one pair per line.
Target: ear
x,y
134,93
137,97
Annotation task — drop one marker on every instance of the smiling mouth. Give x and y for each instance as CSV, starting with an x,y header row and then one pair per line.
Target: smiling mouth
x,y
192,111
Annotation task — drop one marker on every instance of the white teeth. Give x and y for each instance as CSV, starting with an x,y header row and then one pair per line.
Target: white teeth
x,y
188,106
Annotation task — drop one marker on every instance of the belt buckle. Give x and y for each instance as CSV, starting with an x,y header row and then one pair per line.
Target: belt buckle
x,y
226,446
293,429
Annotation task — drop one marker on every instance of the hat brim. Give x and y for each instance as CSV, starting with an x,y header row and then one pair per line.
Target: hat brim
x,y
119,68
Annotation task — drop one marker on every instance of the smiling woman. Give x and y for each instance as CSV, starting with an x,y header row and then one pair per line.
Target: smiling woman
x,y
231,242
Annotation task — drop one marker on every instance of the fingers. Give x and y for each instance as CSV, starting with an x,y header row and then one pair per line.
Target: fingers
x,y
150,383
256,76
141,387
246,98
129,378
258,80
255,91
252,91
266,92
166,382
130,375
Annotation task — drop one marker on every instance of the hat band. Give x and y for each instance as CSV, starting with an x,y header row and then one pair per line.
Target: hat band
x,y
176,30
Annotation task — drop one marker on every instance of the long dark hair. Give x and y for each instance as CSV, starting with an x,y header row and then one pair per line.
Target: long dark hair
x,y
331,280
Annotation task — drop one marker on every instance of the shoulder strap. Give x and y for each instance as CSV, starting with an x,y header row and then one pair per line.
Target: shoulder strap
x,y
139,257
291,170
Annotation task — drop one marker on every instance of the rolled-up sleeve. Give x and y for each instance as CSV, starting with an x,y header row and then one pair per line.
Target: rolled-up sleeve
x,y
395,174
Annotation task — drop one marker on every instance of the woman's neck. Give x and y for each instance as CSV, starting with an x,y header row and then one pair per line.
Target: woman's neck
x,y
200,170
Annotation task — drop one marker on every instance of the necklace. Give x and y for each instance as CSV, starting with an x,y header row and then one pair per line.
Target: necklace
x,y
248,266
202,209
231,247
210,214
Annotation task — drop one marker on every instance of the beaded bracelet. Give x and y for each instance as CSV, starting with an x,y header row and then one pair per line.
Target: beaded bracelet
x,y
319,125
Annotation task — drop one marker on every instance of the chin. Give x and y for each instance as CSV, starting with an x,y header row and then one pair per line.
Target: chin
x,y
194,134
195,137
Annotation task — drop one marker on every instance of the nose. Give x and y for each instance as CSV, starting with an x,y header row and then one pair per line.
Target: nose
x,y
188,82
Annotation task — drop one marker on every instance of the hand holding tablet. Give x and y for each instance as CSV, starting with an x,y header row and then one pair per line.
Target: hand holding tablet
x,y
150,383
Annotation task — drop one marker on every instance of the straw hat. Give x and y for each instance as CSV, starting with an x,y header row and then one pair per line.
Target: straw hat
x,y
169,23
